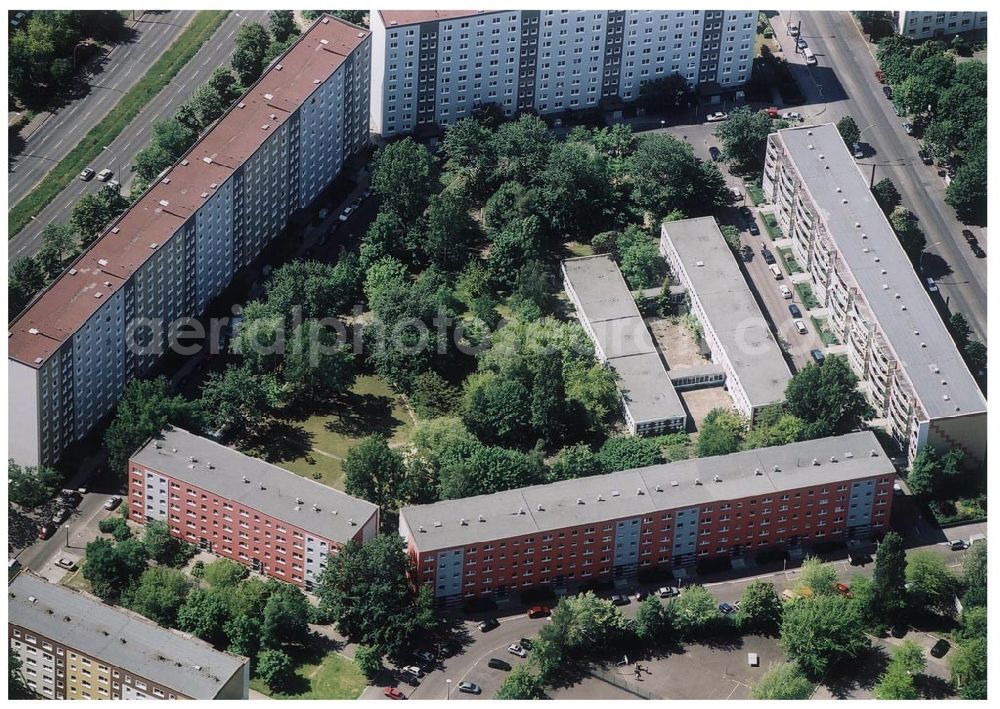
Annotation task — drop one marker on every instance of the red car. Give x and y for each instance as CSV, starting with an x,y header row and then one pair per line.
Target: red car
x,y
844,590
46,531
394,693
538,612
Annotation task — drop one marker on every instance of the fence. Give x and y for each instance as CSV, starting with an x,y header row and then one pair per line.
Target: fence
x,y
618,680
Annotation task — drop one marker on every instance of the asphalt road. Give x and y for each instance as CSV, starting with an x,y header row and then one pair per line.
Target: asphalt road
x,y
843,83
71,535
214,53
115,72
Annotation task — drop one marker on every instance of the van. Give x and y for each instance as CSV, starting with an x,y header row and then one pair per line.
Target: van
x,y
776,272
810,57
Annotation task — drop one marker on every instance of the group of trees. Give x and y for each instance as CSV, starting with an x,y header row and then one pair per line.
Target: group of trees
x,y
358,17
744,137
256,46
968,659
973,351
949,100
45,50
637,254
30,486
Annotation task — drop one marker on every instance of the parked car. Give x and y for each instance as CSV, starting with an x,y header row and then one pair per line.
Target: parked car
x,y
844,590
526,643
745,213
620,600
969,237
515,649
394,693
104,175
71,498
447,650
499,664
940,648
60,516
367,194
959,545
86,174
345,214
858,152
489,624
768,256
887,90
908,127
793,30
115,185
46,530
801,43
67,564
752,227
737,195
538,611
715,153
747,253
413,671
726,608
424,656
469,688
818,358
800,327
977,251
931,285
716,117
776,272
898,630
925,157
794,310
785,292
669,591
640,594
794,116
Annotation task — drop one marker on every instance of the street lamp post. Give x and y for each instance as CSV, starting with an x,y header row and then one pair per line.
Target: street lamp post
x,y
448,695
115,157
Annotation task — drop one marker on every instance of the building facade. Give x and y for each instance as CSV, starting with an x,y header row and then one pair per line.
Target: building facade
x,y
734,328
106,320
433,67
909,367
923,24
576,531
245,509
73,646
608,313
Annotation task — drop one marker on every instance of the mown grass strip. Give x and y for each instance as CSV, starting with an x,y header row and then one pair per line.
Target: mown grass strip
x,y
201,28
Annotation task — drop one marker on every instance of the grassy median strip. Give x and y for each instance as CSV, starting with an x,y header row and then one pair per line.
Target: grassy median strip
x,y
201,28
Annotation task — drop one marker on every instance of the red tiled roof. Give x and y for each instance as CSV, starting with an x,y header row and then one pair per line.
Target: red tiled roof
x,y
415,17
72,299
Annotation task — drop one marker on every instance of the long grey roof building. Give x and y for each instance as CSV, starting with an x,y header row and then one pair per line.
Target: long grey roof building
x,y
608,313
879,306
629,493
734,327
179,663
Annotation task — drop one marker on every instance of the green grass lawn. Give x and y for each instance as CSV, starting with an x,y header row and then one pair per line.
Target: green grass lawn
x,y
319,444
825,334
790,263
575,249
74,579
755,192
771,225
199,31
805,292
334,677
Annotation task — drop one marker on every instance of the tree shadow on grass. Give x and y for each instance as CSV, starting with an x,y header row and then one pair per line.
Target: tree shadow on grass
x,y
283,441
932,687
860,673
363,415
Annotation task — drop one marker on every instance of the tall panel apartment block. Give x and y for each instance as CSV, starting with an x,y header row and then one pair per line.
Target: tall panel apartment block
x,y
909,367
180,244
433,67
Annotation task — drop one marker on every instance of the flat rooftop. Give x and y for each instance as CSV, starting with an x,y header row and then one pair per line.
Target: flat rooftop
x,y
609,306
869,249
238,477
120,637
66,305
398,18
731,309
639,491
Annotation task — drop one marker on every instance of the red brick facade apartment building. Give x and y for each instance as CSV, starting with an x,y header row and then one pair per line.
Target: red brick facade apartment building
x,y
243,508
670,515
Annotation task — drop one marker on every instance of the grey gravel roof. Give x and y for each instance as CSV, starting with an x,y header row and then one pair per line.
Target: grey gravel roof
x,y
643,490
286,496
731,309
120,637
609,307
917,353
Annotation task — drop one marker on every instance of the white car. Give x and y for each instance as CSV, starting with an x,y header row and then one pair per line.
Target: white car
x,y
345,214
737,195
785,292
412,671
516,649
801,327
716,117
104,175
932,286
792,116
669,591
67,564
112,502
86,173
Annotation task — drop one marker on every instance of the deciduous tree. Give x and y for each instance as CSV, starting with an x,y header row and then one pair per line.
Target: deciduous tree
x,y
783,681
821,631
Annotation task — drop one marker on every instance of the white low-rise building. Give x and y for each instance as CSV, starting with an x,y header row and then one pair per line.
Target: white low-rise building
x,y
922,24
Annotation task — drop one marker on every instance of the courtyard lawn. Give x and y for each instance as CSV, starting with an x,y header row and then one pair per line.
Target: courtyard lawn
x,y
316,447
576,249
771,226
806,294
334,677
75,579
